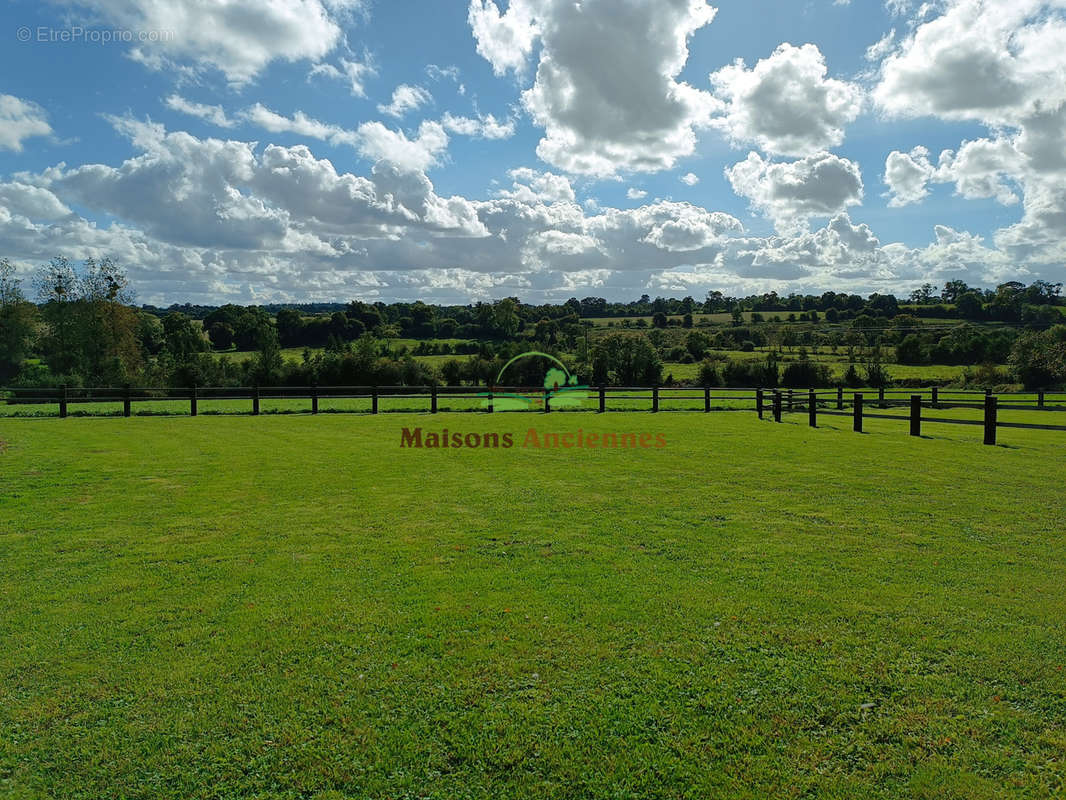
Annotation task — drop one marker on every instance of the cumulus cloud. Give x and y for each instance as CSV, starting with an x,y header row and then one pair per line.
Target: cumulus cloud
x,y
907,176
20,120
405,99
786,104
375,142
238,38
504,40
690,179
634,193
606,91
987,60
531,186
790,193
484,127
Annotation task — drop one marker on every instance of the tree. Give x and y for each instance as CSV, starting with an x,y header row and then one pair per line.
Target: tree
x,y
1039,359
953,290
57,288
627,360
970,306
184,336
659,319
686,321
18,322
221,336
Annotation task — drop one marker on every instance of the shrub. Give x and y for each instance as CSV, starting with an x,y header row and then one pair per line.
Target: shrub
x,y
709,375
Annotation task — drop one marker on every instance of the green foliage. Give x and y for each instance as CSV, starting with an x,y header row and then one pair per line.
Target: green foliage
x,y
1039,358
627,360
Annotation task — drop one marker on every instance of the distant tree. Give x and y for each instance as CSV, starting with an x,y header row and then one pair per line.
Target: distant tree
x,y
970,306
18,322
221,336
184,336
686,321
627,360
658,319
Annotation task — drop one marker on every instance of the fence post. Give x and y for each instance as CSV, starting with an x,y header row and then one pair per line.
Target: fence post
x,y
547,402
255,402
881,396
1040,399
374,400
654,399
777,406
433,400
314,399
812,409
840,398
789,401
936,398
916,415
63,402
126,400
857,425
706,399
603,399
489,408
192,401
758,402
990,419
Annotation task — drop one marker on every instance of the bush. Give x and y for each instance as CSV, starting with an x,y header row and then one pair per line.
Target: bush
x,y
751,374
709,375
806,375
747,346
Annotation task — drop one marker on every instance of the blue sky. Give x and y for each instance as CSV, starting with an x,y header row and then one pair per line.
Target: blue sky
x,y
255,150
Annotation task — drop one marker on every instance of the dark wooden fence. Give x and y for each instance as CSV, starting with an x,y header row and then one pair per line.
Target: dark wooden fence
x,y
833,403
859,405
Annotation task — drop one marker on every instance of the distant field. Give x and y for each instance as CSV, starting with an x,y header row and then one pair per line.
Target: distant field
x,y
296,607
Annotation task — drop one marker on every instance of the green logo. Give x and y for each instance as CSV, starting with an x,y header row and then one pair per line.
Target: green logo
x,y
561,389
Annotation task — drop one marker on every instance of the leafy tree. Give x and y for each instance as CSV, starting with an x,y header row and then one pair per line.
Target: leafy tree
x,y
184,336
18,323
1039,359
627,360
658,319
221,336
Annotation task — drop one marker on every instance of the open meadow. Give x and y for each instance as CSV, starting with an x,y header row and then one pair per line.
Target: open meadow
x,y
297,607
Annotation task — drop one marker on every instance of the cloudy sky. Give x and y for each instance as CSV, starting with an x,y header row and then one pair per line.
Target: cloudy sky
x,y
454,150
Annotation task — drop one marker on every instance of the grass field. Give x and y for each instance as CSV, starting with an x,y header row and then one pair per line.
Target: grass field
x,y
295,607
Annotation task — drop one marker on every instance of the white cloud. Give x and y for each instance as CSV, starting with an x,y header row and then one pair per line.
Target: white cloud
x,y
785,103
20,120
987,60
354,73
238,38
606,89
636,194
531,186
375,142
216,115
790,193
484,127
504,40
907,176
690,179
300,124
405,99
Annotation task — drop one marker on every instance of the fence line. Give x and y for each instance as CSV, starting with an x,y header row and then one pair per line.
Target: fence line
x,y
777,402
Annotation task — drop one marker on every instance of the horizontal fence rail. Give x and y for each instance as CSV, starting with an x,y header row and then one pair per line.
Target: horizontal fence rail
x,y
860,405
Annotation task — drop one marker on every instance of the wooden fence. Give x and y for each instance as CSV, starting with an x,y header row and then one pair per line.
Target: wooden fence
x,y
859,405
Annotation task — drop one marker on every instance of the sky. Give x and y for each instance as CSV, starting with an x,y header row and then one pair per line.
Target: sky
x,y
255,151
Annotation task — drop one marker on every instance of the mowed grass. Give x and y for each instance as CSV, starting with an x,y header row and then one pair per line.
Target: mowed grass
x,y
294,607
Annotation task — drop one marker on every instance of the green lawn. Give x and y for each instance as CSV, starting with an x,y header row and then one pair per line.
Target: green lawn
x,y
295,607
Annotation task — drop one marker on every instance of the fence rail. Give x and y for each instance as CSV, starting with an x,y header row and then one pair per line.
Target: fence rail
x,y
435,399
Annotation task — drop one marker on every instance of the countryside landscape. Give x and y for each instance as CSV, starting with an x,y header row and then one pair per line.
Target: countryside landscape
x,y
647,471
